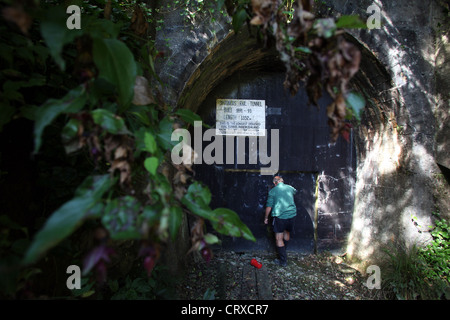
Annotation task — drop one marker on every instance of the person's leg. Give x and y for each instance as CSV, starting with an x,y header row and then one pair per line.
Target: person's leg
x,y
281,249
278,228
286,237
288,228
279,239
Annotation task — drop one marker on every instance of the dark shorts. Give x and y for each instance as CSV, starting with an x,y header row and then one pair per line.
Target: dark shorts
x,y
281,225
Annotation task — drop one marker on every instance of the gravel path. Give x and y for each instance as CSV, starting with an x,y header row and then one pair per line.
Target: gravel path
x,y
307,277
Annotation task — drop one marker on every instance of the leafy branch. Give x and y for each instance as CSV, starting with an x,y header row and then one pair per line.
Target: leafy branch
x,y
111,113
313,51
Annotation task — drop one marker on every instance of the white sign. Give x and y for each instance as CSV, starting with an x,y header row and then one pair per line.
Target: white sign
x,y
239,117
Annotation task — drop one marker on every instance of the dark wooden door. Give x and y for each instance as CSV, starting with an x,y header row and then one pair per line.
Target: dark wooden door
x,y
305,153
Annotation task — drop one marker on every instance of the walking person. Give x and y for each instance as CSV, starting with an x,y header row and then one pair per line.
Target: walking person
x,y
280,203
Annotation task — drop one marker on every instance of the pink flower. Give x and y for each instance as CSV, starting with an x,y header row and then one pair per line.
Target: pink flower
x,y
205,251
97,258
149,264
150,255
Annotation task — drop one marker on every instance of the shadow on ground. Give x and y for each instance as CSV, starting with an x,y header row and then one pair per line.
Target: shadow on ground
x,y
229,276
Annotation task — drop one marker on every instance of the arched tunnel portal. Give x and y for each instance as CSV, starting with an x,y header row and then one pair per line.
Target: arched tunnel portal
x,y
239,69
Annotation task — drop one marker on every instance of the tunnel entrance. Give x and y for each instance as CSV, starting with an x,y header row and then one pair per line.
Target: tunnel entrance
x,y
393,155
322,172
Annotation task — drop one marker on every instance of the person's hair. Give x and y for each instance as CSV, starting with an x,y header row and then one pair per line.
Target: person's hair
x,y
277,179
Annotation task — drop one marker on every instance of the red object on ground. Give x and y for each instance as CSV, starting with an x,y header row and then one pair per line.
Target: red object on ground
x,y
256,264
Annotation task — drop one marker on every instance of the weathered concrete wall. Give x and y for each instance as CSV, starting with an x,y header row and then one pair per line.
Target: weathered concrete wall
x,y
441,24
405,127
397,173
186,44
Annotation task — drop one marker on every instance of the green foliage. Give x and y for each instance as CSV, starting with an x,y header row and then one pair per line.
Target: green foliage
x,y
437,255
194,10
136,289
351,22
120,218
63,222
54,35
188,116
403,275
356,103
117,65
420,272
72,102
151,164
223,220
87,289
210,294
304,41
239,18
229,223
84,85
325,27
109,121
141,287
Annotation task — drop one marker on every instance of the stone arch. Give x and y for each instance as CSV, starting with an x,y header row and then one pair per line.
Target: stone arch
x,y
242,51
395,140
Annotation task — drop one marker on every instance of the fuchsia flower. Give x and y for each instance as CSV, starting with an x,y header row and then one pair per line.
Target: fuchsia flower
x,y
205,251
97,258
150,255
149,264
206,254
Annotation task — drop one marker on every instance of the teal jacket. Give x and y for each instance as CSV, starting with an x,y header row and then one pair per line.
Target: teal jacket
x,y
281,200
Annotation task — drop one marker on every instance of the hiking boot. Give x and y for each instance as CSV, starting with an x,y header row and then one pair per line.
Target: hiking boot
x,y
281,264
282,261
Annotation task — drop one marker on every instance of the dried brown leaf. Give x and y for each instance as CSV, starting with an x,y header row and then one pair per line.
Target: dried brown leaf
x,y
256,21
111,142
183,177
314,89
197,235
18,16
124,168
142,93
330,109
352,57
121,152
340,106
139,24
264,10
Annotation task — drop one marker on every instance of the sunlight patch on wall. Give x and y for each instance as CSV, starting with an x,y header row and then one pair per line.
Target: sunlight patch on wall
x,y
382,157
383,152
